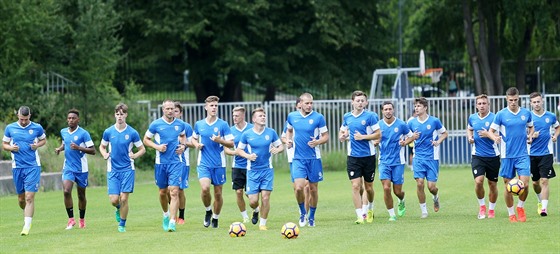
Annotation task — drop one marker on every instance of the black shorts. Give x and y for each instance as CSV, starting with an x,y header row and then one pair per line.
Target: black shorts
x,y
541,167
486,166
361,166
238,178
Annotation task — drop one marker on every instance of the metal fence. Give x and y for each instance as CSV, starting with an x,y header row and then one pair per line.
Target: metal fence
x,y
452,111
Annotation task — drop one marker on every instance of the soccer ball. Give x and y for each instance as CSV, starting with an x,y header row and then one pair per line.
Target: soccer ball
x,y
515,187
290,230
237,229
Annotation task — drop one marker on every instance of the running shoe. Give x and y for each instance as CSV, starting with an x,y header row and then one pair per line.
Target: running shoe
x,y
255,218
491,214
71,223
370,216
401,209
393,218
25,231
171,227
214,223
436,204
121,229
207,218
521,214
302,220
165,223
512,218
539,208
543,212
482,212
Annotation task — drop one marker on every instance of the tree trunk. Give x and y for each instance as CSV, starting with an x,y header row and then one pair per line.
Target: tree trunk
x,y
471,46
493,42
483,49
521,55
233,90
270,93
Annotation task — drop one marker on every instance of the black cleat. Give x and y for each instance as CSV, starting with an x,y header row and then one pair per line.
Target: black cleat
x,y
207,218
255,218
214,223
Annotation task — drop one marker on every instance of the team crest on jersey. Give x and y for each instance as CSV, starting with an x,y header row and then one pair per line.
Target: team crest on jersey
x,y
266,137
351,173
176,127
523,118
547,120
310,121
363,122
428,127
126,137
31,132
487,124
396,129
76,138
215,129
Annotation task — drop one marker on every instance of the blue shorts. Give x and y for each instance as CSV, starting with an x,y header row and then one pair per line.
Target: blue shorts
x,y
168,175
185,178
120,182
311,170
428,169
26,179
510,166
259,180
217,175
395,173
80,178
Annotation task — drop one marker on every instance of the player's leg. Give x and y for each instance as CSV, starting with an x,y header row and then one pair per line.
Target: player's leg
x,y
492,174
173,206
478,172
432,176
315,175
523,166
162,182
238,180
31,180
535,177
218,203
547,172
126,187
388,196
123,197
265,208
67,186
306,195
182,205
81,185
419,175
367,168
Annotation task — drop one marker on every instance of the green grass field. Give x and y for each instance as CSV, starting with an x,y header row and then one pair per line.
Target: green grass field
x,y
454,229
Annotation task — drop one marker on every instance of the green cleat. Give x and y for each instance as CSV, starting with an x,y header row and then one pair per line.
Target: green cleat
x,y
121,229
359,221
401,209
171,227
393,218
370,216
118,215
539,208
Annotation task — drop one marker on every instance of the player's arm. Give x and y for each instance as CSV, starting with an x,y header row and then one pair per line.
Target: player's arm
x,y
11,148
323,139
442,137
373,136
531,132
195,143
409,139
240,152
149,143
88,150
39,143
343,134
470,135
276,149
493,134
290,137
141,151
59,149
230,152
556,133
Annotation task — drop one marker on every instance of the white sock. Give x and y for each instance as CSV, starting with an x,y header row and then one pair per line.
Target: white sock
x,y
215,216
423,208
256,210
544,203
492,205
520,203
172,221
391,212
371,205
27,222
364,208
481,202
510,211
244,214
539,197
166,214
359,212
263,222
208,208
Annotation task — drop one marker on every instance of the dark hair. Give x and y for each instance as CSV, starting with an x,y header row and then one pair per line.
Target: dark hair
x,y
24,111
512,91
387,103
121,107
179,106
535,94
358,93
423,101
74,111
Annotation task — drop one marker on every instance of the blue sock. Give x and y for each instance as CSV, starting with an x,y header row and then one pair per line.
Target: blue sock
x,y
312,212
123,222
302,208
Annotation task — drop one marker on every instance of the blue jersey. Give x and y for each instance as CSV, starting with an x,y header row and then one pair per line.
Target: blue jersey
x,y
365,123
163,132
259,144
513,130
212,154
119,144
188,134
74,160
24,137
391,153
306,128
483,147
429,130
238,161
545,124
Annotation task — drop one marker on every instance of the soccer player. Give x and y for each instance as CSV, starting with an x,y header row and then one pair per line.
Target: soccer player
x,y
116,148
485,156
307,130
166,133
541,150
210,136
187,167
239,167
429,133
22,139
395,136
513,123
76,143
261,142
361,128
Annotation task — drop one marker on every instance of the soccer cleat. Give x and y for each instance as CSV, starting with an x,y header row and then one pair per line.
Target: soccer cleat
x,y
171,227
302,220
424,216
359,221
82,223
393,218
246,220
370,216
521,214
214,223
25,231
312,222
436,204
543,212
207,218
539,208
512,218
401,209
118,215
255,218
263,228
71,223
482,212
121,229
491,214
165,223
181,221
